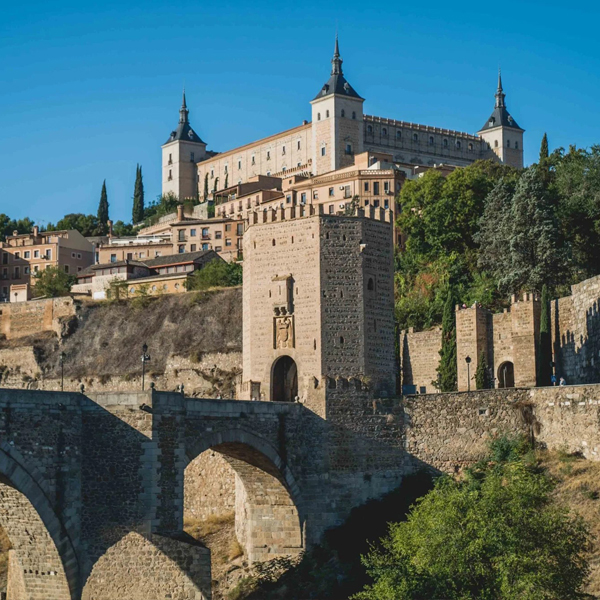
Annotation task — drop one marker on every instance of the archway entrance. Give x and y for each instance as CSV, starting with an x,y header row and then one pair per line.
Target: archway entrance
x,y
506,375
285,380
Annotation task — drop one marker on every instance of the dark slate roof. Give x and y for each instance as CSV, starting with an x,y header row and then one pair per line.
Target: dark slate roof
x,y
337,83
184,131
500,117
177,259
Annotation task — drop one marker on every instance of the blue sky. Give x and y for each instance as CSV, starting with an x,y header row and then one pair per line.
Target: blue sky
x,y
91,89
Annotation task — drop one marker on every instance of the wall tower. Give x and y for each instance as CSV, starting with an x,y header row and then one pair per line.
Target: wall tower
x,y
501,132
180,153
337,121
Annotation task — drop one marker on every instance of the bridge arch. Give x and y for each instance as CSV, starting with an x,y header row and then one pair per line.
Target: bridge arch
x,y
42,561
268,510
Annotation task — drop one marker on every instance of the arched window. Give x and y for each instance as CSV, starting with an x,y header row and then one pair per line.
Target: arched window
x,y
445,143
458,144
496,144
431,140
384,131
415,137
370,129
327,114
508,143
341,339
516,145
399,134
471,147
353,115
370,284
318,116
343,113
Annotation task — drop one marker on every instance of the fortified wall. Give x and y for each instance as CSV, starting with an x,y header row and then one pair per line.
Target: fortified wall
x,y
419,360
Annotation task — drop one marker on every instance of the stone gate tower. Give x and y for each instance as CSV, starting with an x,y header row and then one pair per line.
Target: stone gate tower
x,y
318,306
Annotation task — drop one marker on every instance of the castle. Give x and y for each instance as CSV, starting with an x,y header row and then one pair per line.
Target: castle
x,y
338,132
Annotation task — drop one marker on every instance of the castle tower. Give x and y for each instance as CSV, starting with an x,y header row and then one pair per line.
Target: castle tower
x,y
337,121
501,132
180,153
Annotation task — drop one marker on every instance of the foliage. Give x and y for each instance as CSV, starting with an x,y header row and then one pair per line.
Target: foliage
x,y
447,374
482,373
8,226
217,273
103,209
165,204
122,229
142,297
87,225
205,186
138,197
545,349
53,282
544,152
496,534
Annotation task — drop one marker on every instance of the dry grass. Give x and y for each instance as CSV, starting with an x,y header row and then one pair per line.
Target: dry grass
x,y
235,550
578,487
202,528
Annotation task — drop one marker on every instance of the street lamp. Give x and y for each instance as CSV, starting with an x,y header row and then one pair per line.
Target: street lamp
x,y
145,359
62,371
468,361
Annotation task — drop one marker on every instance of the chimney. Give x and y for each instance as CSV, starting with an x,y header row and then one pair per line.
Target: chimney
x,y
180,212
36,231
15,233
110,228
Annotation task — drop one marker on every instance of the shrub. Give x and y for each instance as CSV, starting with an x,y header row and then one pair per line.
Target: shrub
x,y
217,273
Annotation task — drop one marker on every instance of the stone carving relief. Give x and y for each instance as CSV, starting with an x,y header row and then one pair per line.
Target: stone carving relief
x,y
284,331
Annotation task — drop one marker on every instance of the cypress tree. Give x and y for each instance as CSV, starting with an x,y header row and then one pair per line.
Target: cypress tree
x,y
103,209
447,369
138,197
544,152
206,186
545,350
482,374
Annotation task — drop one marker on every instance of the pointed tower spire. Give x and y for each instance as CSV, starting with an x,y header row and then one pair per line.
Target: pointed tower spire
x,y
500,95
183,111
336,62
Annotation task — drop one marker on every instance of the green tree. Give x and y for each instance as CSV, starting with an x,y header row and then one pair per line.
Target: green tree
x,y
544,152
545,350
138,197
103,209
205,186
482,373
217,273
447,370
87,225
495,535
121,229
53,282
8,226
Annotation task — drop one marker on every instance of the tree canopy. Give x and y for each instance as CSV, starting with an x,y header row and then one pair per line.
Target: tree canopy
x,y
217,273
53,282
103,209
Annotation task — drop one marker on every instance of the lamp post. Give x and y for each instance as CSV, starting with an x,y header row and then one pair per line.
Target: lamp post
x,y
62,371
145,359
468,361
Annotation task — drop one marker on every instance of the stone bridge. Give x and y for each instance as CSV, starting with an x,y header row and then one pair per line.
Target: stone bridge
x,y
92,488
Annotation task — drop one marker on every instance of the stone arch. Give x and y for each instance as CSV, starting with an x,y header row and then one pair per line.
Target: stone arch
x,y
268,513
284,379
42,561
506,375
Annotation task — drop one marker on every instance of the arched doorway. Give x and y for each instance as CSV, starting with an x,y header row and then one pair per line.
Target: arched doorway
x,y
506,375
284,380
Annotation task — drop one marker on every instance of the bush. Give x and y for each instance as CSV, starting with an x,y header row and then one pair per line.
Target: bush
x,y
217,273
53,282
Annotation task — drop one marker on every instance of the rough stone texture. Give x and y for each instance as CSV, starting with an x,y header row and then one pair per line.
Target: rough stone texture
x,y
20,319
420,358
576,333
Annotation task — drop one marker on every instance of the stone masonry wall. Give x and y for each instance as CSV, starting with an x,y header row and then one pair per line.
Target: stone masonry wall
x,y
419,360
20,319
576,333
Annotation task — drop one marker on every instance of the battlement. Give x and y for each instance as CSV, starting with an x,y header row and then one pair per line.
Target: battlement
x,y
289,213
527,298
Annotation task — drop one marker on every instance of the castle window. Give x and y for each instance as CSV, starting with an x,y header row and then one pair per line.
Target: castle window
x,y
327,114
283,151
445,143
191,157
384,131
331,192
323,151
495,143
516,145
508,143
273,241
254,159
348,148
170,159
225,168
431,140
239,164
268,155
212,174
341,339
353,115
318,116
458,144
471,147
298,145
170,175
415,137
370,129
343,113
292,243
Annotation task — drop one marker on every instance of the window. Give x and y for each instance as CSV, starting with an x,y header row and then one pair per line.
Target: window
x,y
508,143
283,151
226,166
228,242
343,113
73,255
445,143
35,268
516,145
66,268
318,116
218,248
253,161
353,115
129,256
181,235
415,137
192,232
458,144
327,114
298,148
17,273
181,248
398,134
376,188
212,173
191,157
205,246
218,235
386,203
240,229
331,209
5,258
205,233
17,255
239,164
431,140
113,258
170,159
49,254
170,175
316,195
366,186
331,191
376,203
268,155
471,147
348,148
369,129
386,186
370,284
79,255
323,151
26,254
26,270
193,248
495,143
303,197
384,132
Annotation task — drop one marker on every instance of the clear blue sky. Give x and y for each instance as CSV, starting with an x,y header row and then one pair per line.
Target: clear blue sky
x,y
90,89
